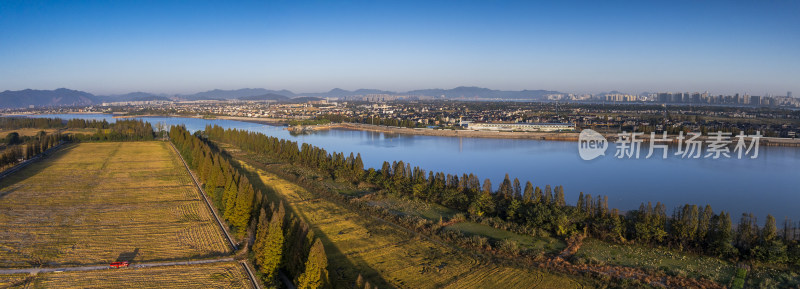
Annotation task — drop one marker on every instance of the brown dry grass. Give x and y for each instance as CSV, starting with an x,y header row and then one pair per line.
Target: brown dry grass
x,y
95,203
216,275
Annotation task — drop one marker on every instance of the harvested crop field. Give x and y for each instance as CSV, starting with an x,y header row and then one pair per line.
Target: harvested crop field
x,y
390,256
95,203
216,275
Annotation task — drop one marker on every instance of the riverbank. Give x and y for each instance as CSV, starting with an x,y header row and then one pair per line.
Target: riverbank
x,y
260,120
559,136
555,136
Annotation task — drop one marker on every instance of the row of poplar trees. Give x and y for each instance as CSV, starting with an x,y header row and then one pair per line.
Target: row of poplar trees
x,y
529,208
281,241
8,123
18,149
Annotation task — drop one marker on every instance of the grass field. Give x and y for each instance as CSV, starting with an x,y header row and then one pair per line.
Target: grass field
x,y
24,131
216,275
414,207
7,280
94,203
389,256
35,131
542,244
657,258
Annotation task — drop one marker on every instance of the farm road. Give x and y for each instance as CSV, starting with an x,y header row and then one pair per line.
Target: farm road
x,y
104,267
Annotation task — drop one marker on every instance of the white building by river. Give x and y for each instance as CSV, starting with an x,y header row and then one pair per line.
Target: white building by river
x,y
518,126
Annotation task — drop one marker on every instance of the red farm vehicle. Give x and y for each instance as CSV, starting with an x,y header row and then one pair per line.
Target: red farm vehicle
x,y
119,264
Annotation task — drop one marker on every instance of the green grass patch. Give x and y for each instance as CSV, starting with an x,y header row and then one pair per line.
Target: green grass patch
x,y
738,281
770,277
545,244
672,262
417,208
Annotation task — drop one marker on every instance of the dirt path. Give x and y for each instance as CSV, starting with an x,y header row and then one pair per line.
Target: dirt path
x,y
104,267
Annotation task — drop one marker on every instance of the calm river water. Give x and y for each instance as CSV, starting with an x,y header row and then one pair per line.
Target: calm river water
x,y
769,184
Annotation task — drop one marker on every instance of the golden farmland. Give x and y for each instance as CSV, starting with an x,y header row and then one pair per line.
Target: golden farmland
x,y
391,256
215,275
96,203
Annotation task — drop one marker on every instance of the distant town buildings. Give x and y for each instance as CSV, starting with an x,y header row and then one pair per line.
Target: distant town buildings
x,y
385,97
621,97
705,98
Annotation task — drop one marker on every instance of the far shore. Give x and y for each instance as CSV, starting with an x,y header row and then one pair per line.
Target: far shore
x,y
558,136
550,136
262,120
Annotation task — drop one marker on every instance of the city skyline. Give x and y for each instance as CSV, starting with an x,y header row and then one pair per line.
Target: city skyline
x,y
185,47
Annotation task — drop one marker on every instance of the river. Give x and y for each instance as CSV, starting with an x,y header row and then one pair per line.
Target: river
x,y
769,184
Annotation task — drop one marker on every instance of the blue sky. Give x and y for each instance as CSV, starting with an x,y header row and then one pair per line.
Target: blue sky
x,y
119,46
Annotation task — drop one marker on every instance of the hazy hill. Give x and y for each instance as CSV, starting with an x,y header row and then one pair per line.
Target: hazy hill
x,y
268,96
338,92
235,94
302,99
135,96
58,97
458,92
480,92
68,97
150,98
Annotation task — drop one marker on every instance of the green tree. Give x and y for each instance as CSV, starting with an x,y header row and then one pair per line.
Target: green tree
x,y
537,195
244,206
261,234
704,226
720,237
527,195
358,167
559,197
548,194
13,139
770,231
771,248
229,199
517,189
271,250
316,274
505,188
484,205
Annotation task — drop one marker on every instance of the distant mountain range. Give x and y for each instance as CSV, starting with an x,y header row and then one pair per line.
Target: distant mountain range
x,y
268,96
58,97
480,92
135,96
68,97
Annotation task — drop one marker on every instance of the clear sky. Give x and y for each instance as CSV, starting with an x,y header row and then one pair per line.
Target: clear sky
x,y
162,46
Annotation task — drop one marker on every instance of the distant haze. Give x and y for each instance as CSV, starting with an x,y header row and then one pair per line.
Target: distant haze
x,y
69,97
182,47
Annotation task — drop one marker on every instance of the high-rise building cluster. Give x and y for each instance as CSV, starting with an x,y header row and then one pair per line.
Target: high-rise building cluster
x,y
736,99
